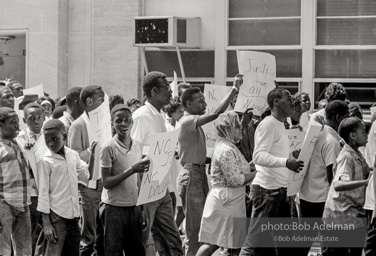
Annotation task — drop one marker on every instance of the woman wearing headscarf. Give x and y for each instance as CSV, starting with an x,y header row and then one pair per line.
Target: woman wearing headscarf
x,y
223,221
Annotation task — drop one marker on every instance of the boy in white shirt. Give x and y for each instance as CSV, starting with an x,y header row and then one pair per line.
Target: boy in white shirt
x,y
58,192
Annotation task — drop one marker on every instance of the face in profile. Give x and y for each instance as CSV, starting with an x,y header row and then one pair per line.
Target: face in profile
x,y
164,92
17,90
285,104
198,104
97,99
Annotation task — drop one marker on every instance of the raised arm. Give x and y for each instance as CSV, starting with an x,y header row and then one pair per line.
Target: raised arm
x,y
207,118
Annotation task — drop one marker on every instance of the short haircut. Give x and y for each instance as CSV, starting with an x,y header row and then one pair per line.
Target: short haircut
x,y
172,107
300,94
182,86
188,95
348,126
31,105
43,98
115,100
5,113
4,88
335,91
276,93
11,83
59,112
54,124
336,107
131,102
119,107
73,94
88,92
151,80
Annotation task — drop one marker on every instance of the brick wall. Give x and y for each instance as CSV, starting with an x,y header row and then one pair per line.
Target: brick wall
x,y
100,45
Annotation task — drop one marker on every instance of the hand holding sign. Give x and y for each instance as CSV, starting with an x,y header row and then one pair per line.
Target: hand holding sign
x,y
238,81
294,165
142,166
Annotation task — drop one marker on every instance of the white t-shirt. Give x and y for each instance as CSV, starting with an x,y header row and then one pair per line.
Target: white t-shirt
x,y
270,154
315,186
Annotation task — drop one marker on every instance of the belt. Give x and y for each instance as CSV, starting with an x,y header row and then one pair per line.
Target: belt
x,y
193,165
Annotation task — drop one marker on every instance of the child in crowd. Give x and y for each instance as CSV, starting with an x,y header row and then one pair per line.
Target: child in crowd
x,y
115,100
48,106
134,104
347,192
120,161
58,192
34,118
15,229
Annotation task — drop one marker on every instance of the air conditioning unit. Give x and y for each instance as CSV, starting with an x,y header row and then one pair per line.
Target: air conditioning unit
x,y
167,31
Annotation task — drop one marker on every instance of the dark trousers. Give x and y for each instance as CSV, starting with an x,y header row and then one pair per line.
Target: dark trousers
x,y
310,210
122,230
266,204
68,238
90,199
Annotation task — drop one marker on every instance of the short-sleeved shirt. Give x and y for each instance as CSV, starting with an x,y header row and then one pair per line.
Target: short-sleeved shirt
x,y
115,155
191,140
315,185
350,166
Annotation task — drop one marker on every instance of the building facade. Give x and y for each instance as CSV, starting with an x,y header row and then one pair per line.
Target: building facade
x,y
315,42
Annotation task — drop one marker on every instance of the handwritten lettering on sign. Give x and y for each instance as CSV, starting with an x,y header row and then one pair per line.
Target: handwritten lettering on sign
x,y
259,70
99,130
35,154
161,153
296,138
305,155
214,94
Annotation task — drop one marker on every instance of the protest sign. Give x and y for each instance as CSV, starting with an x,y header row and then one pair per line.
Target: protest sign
x,y
213,96
35,154
259,70
305,155
99,130
373,110
38,90
161,154
174,86
296,138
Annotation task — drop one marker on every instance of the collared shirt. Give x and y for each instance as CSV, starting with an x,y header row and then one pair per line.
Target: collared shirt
x,y
27,138
116,156
350,166
191,140
58,187
147,121
67,120
315,186
270,154
14,175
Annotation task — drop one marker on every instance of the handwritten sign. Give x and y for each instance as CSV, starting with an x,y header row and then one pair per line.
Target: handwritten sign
x,y
38,90
99,130
35,154
305,155
213,96
296,138
174,86
259,70
161,154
